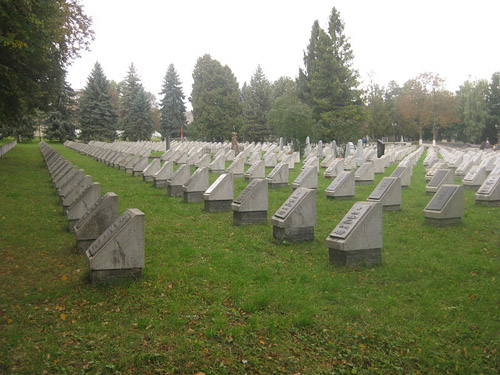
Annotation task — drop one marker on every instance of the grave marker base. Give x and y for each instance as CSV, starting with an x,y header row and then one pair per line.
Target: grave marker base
x,y
148,178
364,257
340,197
363,182
395,207
488,203
218,206
129,170
443,222
471,187
106,275
293,235
275,185
160,183
249,217
83,245
174,191
193,196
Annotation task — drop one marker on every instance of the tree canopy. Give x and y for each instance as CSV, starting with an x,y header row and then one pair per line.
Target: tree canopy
x,y
38,39
172,108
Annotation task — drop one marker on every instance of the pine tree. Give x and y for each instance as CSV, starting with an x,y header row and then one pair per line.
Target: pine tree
x,y
474,109
329,84
216,100
98,117
492,127
172,108
135,108
256,104
59,121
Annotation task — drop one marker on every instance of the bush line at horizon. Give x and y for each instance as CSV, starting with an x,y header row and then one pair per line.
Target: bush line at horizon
x,y
223,299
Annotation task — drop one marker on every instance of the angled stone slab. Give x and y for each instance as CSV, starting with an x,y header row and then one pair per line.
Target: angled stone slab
x,y
489,191
237,167
474,178
441,177
404,175
388,193
219,195
139,167
342,187
195,186
365,174
357,239
218,165
294,221
82,204
177,179
96,220
278,177
256,170
307,178
334,169
161,177
204,161
250,207
446,206
72,195
149,172
119,251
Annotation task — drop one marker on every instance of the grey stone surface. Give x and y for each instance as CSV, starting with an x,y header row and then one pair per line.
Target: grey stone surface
x,y
237,167
119,251
82,204
365,175
221,189
149,172
298,211
241,218
251,205
75,192
343,186
446,206
489,191
139,167
334,169
357,239
474,178
177,180
198,182
404,175
193,196
96,220
256,170
278,177
308,178
388,193
441,177
217,205
293,234
161,177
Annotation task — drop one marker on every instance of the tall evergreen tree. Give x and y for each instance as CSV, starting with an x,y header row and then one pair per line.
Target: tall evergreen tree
x,y
98,118
59,123
329,84
491,131
135,108
256,104
474,107
216,100
172,108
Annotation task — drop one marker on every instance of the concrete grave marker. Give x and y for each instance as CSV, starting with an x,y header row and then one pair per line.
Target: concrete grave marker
x,y
177,179
446,206
474,178
161,177
278,177
489,191
308,178
82,203
342,187
250,207
219,195
442,176
357,239
365,175
388,193
95,221
295,219
119,251
150,171
195,186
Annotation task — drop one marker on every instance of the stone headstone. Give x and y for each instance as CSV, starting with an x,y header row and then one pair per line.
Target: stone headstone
x,y
474,178
177,180
219,195
195,186
334,168
256,170
380,148
365,175
308,178
442,176
250,207
237,167
83,202
446,206
96,220
278,177
149,172
489,191
388,193
161,177
357,239
404,175
342,187
119,251
294,221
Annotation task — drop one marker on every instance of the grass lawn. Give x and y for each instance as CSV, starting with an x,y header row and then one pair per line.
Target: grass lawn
x,y
220,299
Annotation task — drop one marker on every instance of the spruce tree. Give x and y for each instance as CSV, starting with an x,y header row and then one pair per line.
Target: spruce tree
x,y
256,104
329,84
135,109
172,108
216,100
59,123
98,117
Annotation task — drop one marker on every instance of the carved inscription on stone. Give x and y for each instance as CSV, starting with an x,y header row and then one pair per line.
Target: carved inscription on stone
x,y
472,173
108,233
274,171
350,220
489,184
332,166
84,217
301,176
440,198
381,188
291,202
338,181
438,177
244,194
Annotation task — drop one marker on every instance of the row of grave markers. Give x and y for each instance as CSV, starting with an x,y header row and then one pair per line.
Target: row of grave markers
x,y
7,147
356,239
113,245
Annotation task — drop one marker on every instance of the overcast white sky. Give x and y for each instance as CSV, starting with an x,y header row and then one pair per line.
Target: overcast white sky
x,y
391,39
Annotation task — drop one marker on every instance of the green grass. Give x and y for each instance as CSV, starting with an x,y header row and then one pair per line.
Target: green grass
x,y
221,299
4,141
